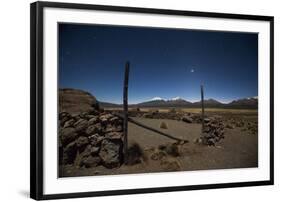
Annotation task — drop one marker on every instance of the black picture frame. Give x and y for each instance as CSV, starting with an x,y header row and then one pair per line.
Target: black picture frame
x,y
36,99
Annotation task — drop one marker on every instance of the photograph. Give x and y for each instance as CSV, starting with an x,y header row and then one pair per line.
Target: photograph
x,y
140,99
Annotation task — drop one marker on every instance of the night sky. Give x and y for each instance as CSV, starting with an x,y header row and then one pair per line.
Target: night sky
x,y
164,63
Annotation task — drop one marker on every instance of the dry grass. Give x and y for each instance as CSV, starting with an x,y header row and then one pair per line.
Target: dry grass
x,y
163,125
135,154
192,110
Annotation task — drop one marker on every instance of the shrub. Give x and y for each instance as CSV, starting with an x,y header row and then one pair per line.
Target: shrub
x,y
163,125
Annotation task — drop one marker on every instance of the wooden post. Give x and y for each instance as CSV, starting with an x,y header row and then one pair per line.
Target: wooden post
x,y
125,110
203,110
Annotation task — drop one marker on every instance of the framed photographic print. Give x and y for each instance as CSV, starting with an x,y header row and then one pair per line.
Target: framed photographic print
x,y
135,100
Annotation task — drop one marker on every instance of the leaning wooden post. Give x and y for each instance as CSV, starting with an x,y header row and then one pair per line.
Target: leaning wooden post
x,y
203,110
125,110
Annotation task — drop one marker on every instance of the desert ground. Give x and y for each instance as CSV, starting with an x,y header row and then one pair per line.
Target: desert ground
x,y
237,146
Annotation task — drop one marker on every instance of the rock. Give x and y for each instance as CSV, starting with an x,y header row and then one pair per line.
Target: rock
x,y
187,119
86,152
69,153
67,135
96,139
63,114
81,125
69,123
83,115
207,120
114,135
105,118
93,121
63,117
83,152
99,126
90,116
93,129
207,129
148,115
110,128
94,150
82,141
114,119
91,161
208,135
212,141
111,153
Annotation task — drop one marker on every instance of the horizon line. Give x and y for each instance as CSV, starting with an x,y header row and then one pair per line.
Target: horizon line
x,y
193,101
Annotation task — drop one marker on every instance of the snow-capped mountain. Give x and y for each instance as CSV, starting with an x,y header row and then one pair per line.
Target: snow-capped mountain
x,y
244,103
156,98
251,102
176,98
160,102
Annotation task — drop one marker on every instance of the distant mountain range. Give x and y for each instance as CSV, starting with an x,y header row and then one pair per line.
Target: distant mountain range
x,y
245,103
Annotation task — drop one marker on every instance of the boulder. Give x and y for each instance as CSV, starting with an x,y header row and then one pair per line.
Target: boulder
x,y
207,120
67,135
114,120
187,119
94,150
69,153
86,151
148,115
113,128
69,123
90,161
80,125
96,139
93,129
105,118
114,135
111,153
63,117
93,120
82,141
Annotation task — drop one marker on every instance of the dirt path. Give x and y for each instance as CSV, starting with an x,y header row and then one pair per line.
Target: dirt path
x,y
146,138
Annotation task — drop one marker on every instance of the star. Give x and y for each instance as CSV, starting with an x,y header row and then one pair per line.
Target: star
x,y
192,71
